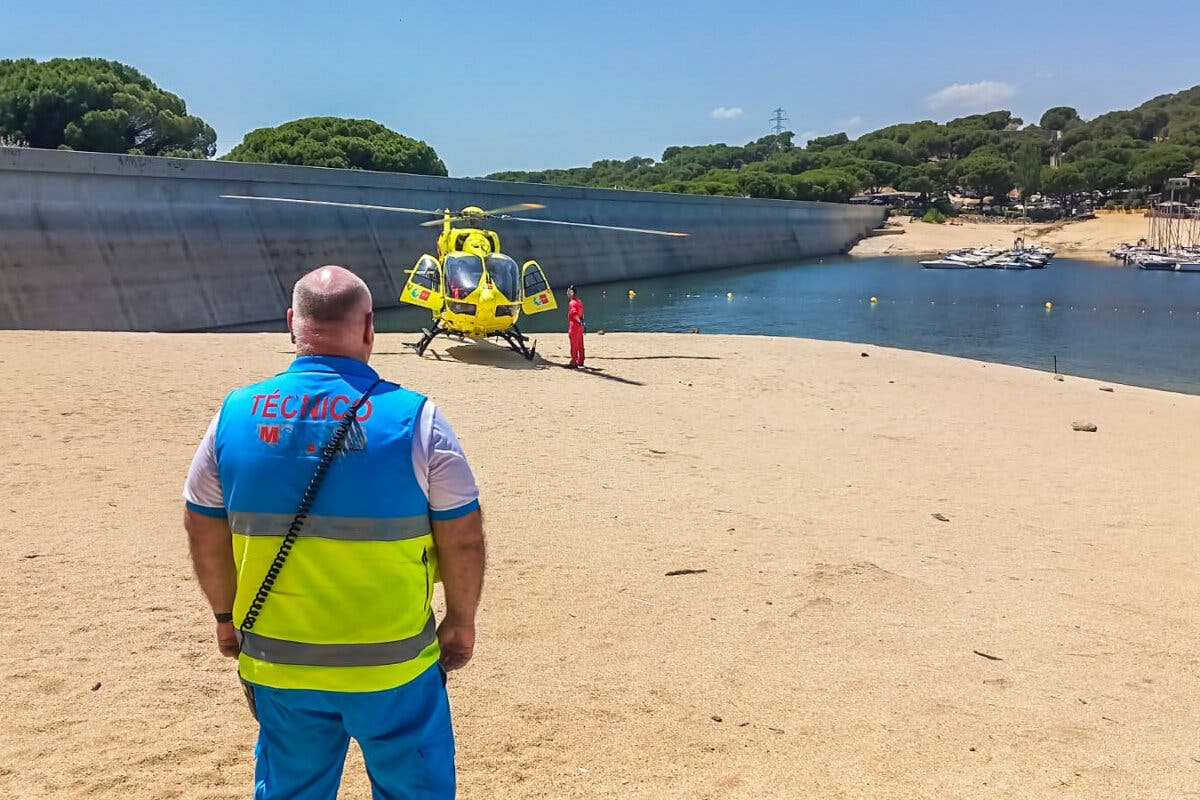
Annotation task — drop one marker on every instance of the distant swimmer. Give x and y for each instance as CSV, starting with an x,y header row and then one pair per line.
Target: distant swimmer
x,y
326,600
575,327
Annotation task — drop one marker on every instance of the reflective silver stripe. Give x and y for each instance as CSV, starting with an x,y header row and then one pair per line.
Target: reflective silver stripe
x,y
356,529
374,654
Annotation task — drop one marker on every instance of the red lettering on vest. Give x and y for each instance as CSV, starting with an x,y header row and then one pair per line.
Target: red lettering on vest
x,y
271,405
283,407
257,399
365,413
333,406
309,406
269,434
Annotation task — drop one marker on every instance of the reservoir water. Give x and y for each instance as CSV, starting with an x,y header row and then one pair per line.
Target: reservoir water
x,y
1108,322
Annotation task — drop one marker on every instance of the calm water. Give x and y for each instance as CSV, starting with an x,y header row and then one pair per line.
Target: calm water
x,y
1108,322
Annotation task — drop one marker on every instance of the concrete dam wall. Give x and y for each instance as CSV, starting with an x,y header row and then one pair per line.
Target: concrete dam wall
x,y
105,242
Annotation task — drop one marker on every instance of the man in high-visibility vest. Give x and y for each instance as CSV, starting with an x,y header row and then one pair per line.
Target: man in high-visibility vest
x,y
345,644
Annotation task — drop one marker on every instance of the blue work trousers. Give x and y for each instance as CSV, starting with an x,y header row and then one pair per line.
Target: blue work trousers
x,y
405,735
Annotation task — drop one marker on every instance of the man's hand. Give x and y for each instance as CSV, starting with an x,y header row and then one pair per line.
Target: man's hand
x,y
457,641
211,545
227,641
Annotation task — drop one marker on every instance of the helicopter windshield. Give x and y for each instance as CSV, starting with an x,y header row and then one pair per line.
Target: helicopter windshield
x,y
463,272
505,275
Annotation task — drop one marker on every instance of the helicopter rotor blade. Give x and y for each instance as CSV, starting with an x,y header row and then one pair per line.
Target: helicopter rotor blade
x,y
495,213
367,206
518,207
600,227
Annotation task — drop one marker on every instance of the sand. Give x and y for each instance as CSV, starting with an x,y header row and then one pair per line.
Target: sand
x,y
834,648
1092,238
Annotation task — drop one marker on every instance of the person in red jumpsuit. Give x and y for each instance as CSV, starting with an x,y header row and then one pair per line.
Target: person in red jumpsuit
x,y
575,327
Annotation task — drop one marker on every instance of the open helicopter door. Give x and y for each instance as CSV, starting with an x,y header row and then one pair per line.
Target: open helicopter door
x,y
537,296
424,287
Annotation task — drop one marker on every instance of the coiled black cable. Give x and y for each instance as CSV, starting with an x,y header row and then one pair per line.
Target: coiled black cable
x,y
328,454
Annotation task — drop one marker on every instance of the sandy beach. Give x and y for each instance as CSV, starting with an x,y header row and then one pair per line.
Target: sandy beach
x,y
920,581
1092,238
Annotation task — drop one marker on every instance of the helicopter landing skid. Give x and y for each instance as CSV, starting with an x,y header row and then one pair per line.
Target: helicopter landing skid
x,y
427,337
516,340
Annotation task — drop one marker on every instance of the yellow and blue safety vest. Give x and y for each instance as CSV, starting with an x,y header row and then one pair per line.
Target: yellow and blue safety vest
x,y
350,610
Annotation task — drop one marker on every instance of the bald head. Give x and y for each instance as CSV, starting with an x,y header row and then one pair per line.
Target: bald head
x,y
331,314
330,294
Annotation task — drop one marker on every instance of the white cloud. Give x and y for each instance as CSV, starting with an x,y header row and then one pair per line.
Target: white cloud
x,y
721,112
981,96
850,122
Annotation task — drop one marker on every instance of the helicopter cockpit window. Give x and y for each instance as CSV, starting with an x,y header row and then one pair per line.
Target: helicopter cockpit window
x,y
425,274
534,282
463,272
505,275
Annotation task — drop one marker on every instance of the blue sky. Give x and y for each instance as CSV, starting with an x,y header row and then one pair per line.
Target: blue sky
x,y
532,84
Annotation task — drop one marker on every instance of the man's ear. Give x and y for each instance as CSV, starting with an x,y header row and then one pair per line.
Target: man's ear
x,y
291,330
369,329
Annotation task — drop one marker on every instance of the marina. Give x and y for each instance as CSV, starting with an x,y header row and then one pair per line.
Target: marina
x,y
1179,259
992,257
1172,241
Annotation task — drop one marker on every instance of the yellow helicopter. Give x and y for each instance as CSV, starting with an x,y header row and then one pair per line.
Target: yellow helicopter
x,y
471,287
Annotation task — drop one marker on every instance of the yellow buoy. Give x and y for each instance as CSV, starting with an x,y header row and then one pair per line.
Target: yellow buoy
x,y
874,299
1049,305
729,295
632,294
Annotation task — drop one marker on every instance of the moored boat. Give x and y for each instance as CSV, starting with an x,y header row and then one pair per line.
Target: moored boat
x,y
946,263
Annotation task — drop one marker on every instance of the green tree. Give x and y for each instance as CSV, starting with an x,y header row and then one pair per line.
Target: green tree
x,y
965,141
759,183
938,173
992,121
96,105
341,143
987,174
825,142
930,142
828,183
1156,164
880,174
1101,174
912,179
795,161
1029,169
1059,118
884,150
1063,183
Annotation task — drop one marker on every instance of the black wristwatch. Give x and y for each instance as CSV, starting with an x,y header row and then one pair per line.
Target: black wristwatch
x,y
226,617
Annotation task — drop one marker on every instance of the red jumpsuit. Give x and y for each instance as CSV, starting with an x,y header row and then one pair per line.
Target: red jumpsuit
x,y
575,330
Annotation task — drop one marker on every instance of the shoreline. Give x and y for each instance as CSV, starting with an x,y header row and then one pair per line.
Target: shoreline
x,y
400,335
831,647
1089,239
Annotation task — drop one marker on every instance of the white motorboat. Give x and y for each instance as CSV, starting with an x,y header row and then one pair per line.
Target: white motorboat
x,y
946,263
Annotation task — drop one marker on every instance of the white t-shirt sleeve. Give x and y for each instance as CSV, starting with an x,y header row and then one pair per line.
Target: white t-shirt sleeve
x,y
202,489
441,467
